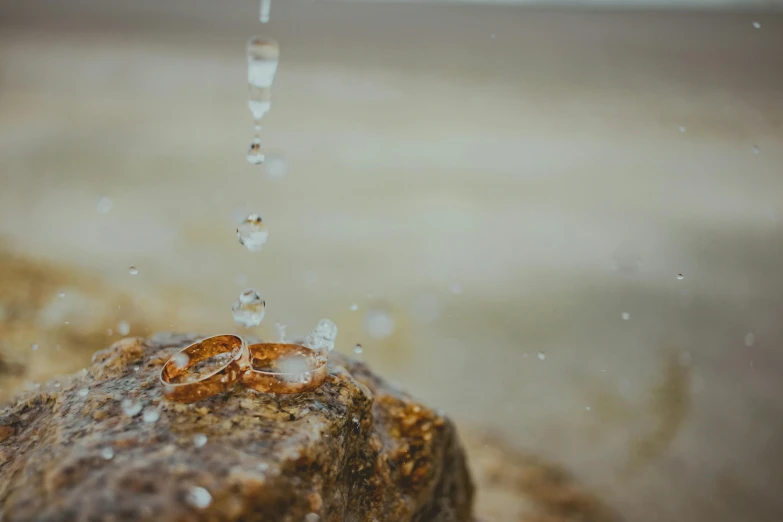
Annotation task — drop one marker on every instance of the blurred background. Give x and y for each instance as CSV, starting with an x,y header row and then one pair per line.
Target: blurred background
x,y
561,224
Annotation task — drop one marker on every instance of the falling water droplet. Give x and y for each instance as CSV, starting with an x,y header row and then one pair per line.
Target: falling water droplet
x,y
680,277
199,439
541,356
107,453
252,233
757,25
132,270
249,310
262,59
254,154
104,205
378,322
322,337
130,407
358,349
123,328
150,415
199,497
750,339
626,316
84,392
266,6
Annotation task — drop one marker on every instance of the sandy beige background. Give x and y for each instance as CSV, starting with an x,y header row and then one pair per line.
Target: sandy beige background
x,y
501,181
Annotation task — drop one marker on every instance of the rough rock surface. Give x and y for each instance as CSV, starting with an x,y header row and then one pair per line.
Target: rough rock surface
x,y
356,449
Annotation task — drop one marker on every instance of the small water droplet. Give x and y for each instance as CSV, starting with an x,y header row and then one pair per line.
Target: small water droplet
x,y
275,166
680,277
266,6
123,328
354,307
180,361
541,356
312,517
682,128
84,392
199,439
757,25
150,415
750,339
249,310
61,295
588,408
132,270
107,453
34,347
252,233
626,316
199,497
130,407
254,154
378,322
263,466
358,349
756,149
104,205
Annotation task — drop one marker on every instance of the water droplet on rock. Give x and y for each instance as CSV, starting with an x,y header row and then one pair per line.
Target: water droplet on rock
x,y
252,233
249,310
199,439
84,392
130,407
150,415
107,453
180,361
199,497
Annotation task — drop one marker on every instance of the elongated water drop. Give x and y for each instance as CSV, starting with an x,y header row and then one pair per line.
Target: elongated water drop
x,y
263,55
266,6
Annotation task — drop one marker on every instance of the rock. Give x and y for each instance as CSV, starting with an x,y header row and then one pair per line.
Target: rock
x,y
355,449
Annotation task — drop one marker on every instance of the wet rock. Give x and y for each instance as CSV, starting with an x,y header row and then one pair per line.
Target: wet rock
x,y
355,449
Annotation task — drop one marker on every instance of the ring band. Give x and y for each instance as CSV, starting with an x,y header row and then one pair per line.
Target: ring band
x,y
173,373
283,368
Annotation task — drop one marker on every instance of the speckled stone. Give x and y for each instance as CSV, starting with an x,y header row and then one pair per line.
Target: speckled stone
x,y
356,449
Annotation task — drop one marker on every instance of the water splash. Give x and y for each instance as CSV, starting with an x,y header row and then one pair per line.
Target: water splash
x,y
322,338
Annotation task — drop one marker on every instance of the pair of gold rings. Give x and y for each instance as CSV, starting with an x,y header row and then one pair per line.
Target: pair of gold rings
x,y
265,367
